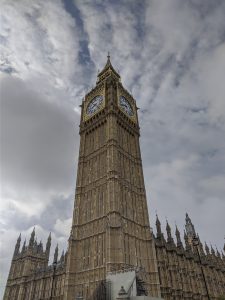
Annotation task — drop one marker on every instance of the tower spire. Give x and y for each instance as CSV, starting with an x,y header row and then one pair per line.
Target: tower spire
x,y
107,71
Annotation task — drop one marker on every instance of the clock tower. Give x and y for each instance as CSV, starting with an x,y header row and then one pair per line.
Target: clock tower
x,y
110,229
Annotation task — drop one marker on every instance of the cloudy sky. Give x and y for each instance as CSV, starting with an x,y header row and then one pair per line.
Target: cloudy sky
x,y
171,56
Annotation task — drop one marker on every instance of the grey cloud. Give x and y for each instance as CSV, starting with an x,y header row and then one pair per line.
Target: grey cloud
x,y
58,207
38,138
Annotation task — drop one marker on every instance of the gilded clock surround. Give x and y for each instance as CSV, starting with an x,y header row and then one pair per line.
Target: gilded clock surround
x,y
98,91
122,92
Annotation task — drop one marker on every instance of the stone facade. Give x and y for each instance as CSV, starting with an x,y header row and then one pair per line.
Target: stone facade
x,y
30,276
188,272
110,230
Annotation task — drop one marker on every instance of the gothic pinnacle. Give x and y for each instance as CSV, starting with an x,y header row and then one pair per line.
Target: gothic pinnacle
x,y
24,246
190,229
187,245
17,246
56,255
212,251
48,246
19,239
207,249
40,247
169,235
158,226
168,230
62,257
218,253
179,242
32,237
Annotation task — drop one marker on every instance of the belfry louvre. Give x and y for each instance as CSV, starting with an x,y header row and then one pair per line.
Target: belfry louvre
x,y
112,252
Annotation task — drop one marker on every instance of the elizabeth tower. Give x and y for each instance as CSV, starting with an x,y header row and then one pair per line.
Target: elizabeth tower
x,y
110,230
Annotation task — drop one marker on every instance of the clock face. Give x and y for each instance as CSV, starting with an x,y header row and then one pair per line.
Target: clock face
x,y
94,105
126,107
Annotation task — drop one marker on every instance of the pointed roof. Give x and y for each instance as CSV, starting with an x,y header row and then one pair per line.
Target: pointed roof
x,y
108,66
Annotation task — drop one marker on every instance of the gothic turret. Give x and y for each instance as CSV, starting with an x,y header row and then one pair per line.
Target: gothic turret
x,y
190,229
179,242
35,250
187,244
17,246
213,251
158,227
55,259
207,249
32,238
40,247
24,247
62,258
48,246
159,235
169,235
201,250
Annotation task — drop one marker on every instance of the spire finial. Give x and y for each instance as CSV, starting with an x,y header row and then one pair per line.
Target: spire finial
x,y
108,56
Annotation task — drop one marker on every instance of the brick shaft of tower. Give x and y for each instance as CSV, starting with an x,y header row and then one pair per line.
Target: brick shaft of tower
x,y
110,230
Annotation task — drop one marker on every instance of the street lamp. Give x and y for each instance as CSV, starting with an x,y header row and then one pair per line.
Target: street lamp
x,y
196,244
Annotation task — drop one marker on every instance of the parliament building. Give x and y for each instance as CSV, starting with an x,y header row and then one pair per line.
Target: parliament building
x,y
112,251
